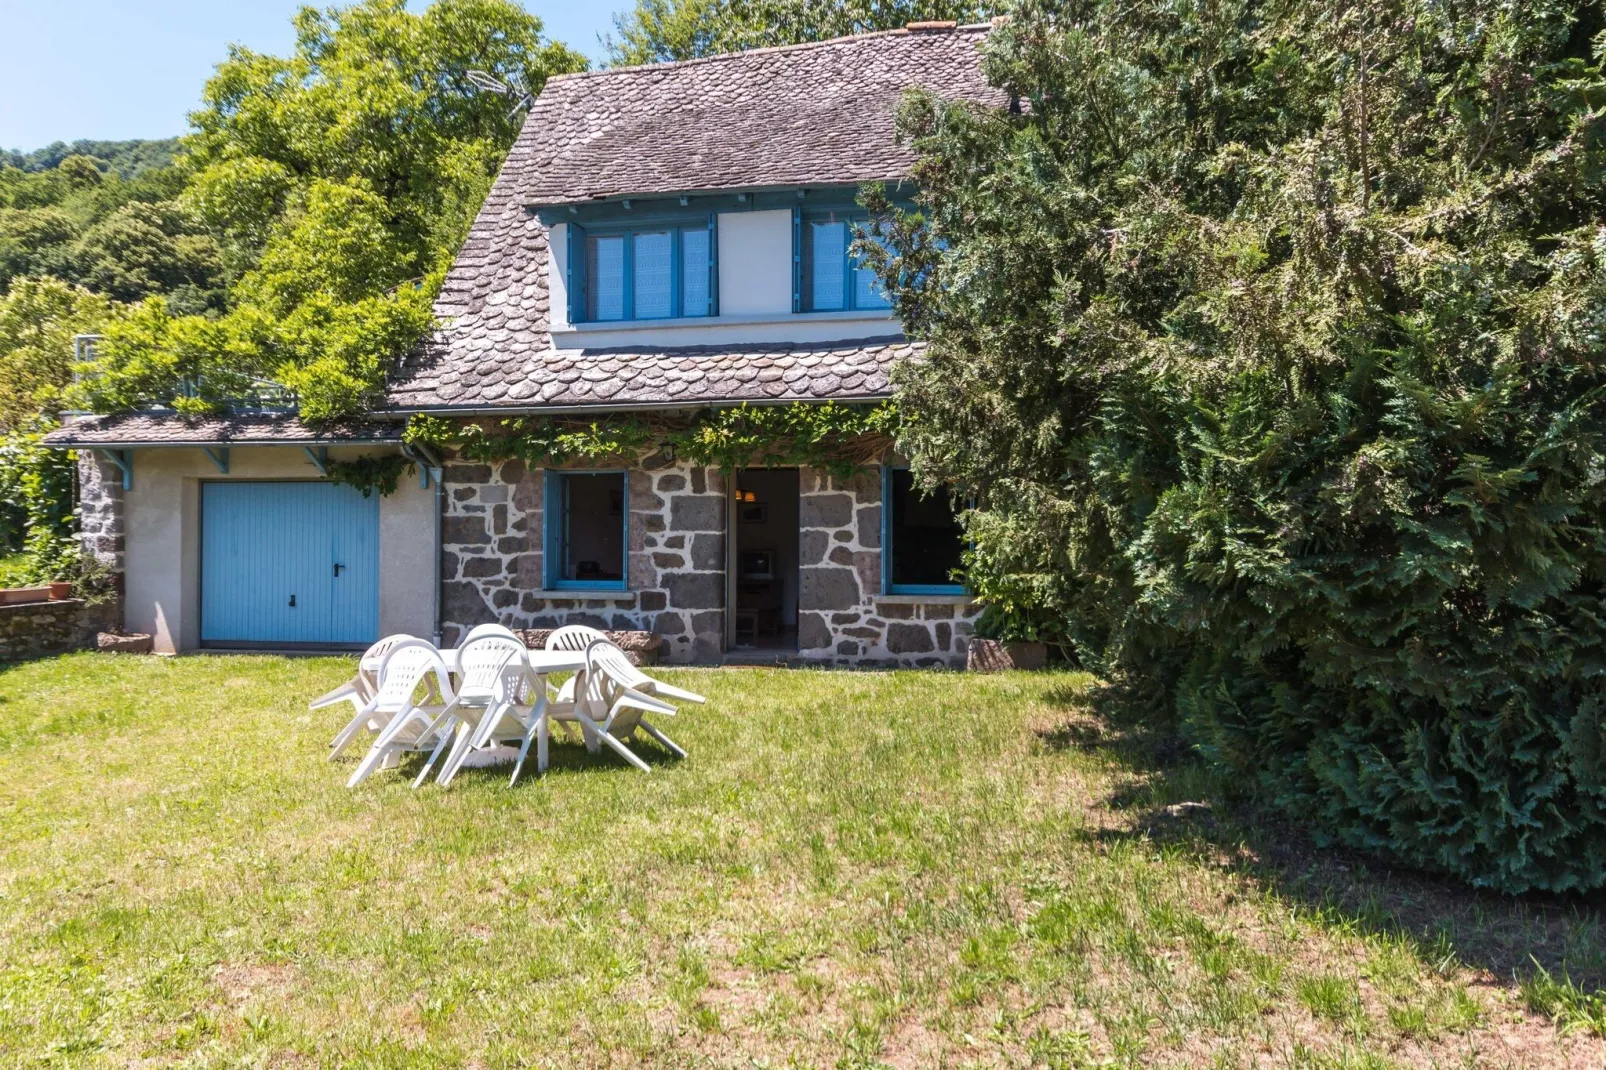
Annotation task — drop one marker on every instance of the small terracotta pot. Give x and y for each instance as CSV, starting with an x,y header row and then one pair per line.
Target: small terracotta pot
x,y
60,591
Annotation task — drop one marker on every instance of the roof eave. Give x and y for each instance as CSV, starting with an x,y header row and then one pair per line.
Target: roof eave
x,y
634,406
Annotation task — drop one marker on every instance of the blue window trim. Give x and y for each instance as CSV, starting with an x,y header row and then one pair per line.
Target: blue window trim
x,y
552,519
887,586
802,262
676,225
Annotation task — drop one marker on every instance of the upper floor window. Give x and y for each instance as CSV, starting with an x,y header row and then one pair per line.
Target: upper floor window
x,y
642,273
833,279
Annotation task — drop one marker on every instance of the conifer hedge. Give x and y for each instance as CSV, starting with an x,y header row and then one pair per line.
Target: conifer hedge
x,y
1271,336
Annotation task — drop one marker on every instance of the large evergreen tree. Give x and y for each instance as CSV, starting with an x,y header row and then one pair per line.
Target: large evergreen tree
x,y
1272,337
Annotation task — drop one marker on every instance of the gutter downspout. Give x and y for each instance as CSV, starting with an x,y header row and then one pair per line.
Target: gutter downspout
x,y
432,466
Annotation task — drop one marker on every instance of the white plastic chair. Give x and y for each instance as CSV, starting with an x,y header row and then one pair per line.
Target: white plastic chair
x,y
496,703
480,630
411,726
372,715
573,637
612,710
360,688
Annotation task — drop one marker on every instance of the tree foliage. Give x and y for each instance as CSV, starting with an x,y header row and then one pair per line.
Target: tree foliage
x,y
656,31
38,318
1272,335
338,183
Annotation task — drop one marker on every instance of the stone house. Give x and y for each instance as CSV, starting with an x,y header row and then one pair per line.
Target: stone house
x,y
661,240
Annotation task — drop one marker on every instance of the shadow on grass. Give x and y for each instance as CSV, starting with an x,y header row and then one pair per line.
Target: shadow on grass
x,y
1170,798
563,758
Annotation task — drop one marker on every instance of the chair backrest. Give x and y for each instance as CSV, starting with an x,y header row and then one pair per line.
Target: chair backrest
x,y
376,653
404,666
601,654
490,629
573,637
492,664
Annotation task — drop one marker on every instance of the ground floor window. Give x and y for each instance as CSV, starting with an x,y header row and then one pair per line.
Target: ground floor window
x,y
587,530
921,538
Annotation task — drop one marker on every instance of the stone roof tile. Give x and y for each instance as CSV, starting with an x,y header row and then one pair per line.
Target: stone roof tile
x,y
802,115
171,429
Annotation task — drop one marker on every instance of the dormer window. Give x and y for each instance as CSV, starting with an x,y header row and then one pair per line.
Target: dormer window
x,y
833,279
647,271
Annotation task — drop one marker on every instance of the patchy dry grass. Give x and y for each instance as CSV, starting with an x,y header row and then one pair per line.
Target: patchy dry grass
x,y
902,869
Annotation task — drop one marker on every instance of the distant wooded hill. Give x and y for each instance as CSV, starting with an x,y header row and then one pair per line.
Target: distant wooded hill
x,y
127,158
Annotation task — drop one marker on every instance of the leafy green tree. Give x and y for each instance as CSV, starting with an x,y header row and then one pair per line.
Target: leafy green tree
x,y
656,31
38,318
338,183
1272,337
144,249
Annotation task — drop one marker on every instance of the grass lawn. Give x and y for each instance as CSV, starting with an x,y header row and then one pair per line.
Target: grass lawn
x,y
852,869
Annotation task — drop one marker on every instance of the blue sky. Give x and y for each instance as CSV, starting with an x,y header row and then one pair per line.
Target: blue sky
x,y
118,69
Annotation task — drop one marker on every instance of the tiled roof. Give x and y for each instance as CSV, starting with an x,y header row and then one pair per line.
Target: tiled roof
x,y
171,429
790,116
799,115
618,378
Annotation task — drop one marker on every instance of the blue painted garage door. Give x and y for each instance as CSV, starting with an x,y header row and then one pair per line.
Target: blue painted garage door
x,y
289,563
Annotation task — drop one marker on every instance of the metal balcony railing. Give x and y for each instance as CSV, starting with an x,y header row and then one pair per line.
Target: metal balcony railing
x,y
257,393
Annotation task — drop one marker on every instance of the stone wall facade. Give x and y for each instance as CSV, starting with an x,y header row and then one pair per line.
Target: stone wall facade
x,y
492,559
492,567
35,629
100,510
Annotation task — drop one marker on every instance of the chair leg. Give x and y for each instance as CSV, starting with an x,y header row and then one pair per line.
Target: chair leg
x,y
446,737
458,754
347,734
625,753
369,763
652,730
536,729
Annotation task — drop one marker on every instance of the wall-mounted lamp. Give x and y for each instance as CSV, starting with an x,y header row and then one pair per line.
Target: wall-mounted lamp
x,y
668,450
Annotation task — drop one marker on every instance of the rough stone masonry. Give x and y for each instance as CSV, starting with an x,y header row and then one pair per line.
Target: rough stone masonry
x,y
492,567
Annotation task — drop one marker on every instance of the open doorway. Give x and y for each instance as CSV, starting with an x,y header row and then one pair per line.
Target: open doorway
x,y
764,559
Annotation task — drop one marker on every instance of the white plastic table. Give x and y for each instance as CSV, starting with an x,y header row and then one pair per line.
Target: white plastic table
x,y
542,662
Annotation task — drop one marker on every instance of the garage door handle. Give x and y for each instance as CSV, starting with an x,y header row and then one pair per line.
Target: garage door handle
x,y
337,570
292,601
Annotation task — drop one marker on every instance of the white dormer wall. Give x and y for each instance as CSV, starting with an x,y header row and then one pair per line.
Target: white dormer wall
x,y
758,248
755,297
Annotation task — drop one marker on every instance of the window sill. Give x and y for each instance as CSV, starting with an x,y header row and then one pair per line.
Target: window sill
x,y
609,332
961,599
582,592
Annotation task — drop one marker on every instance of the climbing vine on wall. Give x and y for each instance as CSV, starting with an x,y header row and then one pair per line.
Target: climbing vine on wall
x,y
836,437
370,473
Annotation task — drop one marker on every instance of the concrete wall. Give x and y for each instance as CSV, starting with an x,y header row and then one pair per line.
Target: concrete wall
x,y
161,540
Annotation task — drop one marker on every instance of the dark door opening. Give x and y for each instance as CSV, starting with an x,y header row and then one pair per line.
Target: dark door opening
x,y
764,559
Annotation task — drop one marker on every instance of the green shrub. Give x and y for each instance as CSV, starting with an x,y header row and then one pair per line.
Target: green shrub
x,y
1273,338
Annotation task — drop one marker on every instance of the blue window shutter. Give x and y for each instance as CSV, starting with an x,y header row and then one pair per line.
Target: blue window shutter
x,y
886,529
576,273
713,263
552,528
797,260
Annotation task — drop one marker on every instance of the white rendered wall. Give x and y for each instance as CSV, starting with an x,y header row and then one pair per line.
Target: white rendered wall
x,y
755,263
557,278
162,540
